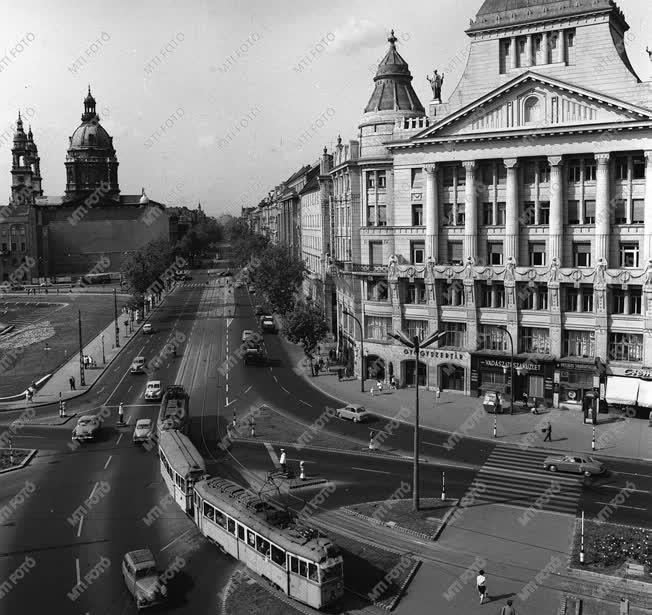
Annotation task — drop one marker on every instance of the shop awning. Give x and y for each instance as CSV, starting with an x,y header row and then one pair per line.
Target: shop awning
x,y
645,394
622,391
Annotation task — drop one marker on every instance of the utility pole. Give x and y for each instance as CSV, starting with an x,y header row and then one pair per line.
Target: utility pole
x,y
82,380
115,315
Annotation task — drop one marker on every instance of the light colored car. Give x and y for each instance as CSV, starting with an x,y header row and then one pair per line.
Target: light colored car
x,y
246,334
239,284
142,431
580,464
355,412
142,578
251,289
87,427
153,390
148,328
138,366
267,324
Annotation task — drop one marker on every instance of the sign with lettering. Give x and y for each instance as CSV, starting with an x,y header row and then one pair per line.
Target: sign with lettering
x,y
448,355
531,367
639,373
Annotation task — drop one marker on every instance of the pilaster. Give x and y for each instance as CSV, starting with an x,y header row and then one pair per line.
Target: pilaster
x,y
471,212
602,213
556,225
511,210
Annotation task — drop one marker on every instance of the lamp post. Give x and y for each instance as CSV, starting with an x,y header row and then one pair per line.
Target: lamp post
x,y
115,316
103,355
417,345
362,365
82,379
511,369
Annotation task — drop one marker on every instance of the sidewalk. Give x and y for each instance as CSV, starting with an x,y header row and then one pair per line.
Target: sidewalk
x,y
458,414
56,386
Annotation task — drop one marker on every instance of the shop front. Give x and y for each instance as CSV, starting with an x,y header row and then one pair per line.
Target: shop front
x,y
630,388
533,376
446,370
574,380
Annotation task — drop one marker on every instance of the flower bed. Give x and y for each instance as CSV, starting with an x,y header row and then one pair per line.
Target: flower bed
x,y
19,455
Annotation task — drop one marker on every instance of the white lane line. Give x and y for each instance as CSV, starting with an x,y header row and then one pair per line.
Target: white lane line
x,y
119,438
623,487
272,454
79,527
92,492
634,474
226,387
306,403
177,538
228,403
248,389
77,567
288,392
433,444
375,471
275,378
129,389
621,506
108,461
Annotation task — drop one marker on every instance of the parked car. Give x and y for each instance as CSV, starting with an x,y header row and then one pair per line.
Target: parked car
x,y
148,328
141,576
251,289
86,428
267,324
142,431
355,412
138,366
153,390
246,334
579,464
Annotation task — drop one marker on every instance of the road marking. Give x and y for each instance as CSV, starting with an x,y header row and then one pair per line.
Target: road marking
x,y
127,421
621,488
79,527
621,506
288,392
228,403
177,538
305,402
77,567
275,378
433,444
106,465
634,474
100,389
272,454
248,389
226,387
118,440
376,471
92,492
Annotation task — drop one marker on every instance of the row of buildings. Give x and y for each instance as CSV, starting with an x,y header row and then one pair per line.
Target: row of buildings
x,y
92,226
516,215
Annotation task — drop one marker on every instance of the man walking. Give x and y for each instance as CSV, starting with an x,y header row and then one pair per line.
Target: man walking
x,y
283,462
72,383
548,431
508,609
481,582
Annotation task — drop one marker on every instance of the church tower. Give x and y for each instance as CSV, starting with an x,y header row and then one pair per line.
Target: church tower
x,y
91,161
25,167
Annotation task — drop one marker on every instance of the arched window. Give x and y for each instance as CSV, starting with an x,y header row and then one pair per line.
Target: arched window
x,y
532,110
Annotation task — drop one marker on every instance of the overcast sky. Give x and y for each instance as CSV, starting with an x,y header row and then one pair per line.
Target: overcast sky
x,y
236,85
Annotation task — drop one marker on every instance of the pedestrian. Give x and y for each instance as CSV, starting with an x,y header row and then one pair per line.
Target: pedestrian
x,y
379,386
63,409
72,383
321,364
121,413
302,475
508,609
524,397
481,582
339,379
372,442
392,383
548,431
282,461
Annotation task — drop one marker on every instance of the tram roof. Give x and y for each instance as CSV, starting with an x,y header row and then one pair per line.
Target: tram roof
x,y
266,518
180,452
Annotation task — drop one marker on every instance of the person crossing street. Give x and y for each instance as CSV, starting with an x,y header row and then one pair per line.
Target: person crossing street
x,y
508,609
283,461
120,414
481,582
548,431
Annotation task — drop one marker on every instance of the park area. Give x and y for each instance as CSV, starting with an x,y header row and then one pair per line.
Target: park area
x,y
45,333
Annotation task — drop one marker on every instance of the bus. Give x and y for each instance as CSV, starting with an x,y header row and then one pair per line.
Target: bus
x,y
174,412
181,467
261,534
96,278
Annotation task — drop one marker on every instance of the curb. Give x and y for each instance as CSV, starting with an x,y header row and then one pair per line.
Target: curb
x,y
49,424
401,590
309,483
21,396
6,330
23,463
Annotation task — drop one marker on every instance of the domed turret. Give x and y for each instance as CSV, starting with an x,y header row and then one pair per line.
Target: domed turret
x,y
19,135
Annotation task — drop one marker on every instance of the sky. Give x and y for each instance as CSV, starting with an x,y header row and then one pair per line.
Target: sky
x,y
218,101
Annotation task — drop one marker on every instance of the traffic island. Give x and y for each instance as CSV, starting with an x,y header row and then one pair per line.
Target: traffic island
x,y
426,523
15,459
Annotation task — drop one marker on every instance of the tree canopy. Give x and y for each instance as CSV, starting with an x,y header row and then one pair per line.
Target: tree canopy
x,y
305,324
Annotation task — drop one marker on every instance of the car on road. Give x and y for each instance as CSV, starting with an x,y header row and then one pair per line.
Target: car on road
x,y
142,578
138,366
246,334
267,324
153,390
87,427
239,284
580,464
143,430
252,290
355,412
148,328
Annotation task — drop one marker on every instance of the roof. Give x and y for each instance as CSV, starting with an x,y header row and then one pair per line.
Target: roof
x,y
141,556
180,452
91,135
297,174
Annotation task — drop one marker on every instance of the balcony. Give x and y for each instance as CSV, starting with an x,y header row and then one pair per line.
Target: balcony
x,y
388,231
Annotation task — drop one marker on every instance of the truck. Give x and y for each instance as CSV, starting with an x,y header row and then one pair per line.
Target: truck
x,y
174,412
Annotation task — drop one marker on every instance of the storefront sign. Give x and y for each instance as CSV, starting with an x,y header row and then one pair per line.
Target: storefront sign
x,y
639,373
587,367
449,355
531,367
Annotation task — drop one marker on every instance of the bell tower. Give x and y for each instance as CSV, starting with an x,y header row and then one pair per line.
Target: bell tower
x,y
25,167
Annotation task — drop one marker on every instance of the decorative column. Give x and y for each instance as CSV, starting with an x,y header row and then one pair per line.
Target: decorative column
x,y
431,203
647,228
471,213
545,47
528,50
511,210
561,44
556,226
602,216
513,52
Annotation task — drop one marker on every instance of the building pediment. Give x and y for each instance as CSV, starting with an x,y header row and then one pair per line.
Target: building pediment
x,y
534,102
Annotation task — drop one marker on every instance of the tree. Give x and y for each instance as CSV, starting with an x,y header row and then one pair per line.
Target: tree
x,y
305,324
142,267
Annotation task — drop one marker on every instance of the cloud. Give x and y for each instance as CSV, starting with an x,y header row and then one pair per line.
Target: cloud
x,y
358,34
206,140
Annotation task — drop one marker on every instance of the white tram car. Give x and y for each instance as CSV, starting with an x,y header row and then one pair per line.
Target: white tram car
x,y
261,534
181,467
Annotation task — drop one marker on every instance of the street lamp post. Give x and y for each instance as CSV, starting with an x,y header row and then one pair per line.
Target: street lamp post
x,y
82,379
511,369
362,365
417,345
115,315
103,355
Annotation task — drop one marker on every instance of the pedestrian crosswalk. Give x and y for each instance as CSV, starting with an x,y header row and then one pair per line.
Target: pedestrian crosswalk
x,y
516,477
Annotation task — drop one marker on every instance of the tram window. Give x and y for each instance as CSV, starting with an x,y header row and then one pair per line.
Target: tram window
x,y
219,518
312,572
181,483
263,546
303,568
209,513
251,539
231,525
241,533
278,556
294,564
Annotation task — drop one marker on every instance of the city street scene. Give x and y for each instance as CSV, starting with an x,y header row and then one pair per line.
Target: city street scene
x,y
339,308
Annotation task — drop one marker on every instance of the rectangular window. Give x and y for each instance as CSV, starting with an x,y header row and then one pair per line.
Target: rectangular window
x,y
209,511
544,212
251,539
241,532
459,221
448,214
629,255
537,253
418,328
528,212
455,251
455,334
417,252
573,209
417,178
589,171
488,214
638,211
620,211
529,170
371,215
376,253
417,215
382,180
502,173
621,168
572,297
495,253
294,564
22,246
618,301
461,175
581,254
589,212
486,293
625,347
493,338
303,568
416,292
536,340
501,208
638,167
635,301
544,172
574,171
230,525
377,327
448,175
452,294
371,180
262,546
382,214
579,344
13,246
487,174
312,573
377,290
587,300
278,556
